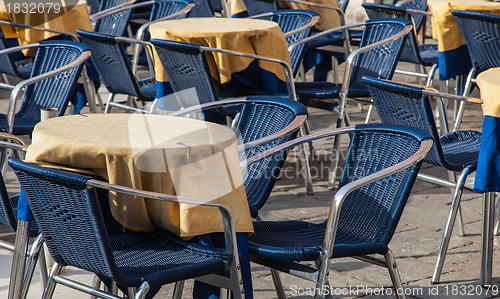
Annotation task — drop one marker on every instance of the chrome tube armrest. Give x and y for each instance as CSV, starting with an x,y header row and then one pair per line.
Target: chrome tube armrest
x,y
402,2
13,96
207,106
227,216
114,9
342,193
71,35
293,143
14,143
285,65
142,30
137,43
318,5
454,97
292,127
419,12
350,59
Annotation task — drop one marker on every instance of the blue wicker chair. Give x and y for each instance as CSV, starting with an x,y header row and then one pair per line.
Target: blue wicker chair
x,y
263,123
457,151
67,209
8,218
381,166
56,68
115,71
481,32
420,55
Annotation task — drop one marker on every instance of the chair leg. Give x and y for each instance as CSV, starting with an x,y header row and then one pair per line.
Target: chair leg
x,y
108,103
42,264
96,284
142,291
455,204
369,114
306,169
460,222
131,292
51,286
394,273
179,286
36,249
307,130
496,230
278,285
19,259
336,153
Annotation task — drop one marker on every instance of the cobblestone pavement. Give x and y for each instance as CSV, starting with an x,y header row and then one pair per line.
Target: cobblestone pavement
x,y
415,243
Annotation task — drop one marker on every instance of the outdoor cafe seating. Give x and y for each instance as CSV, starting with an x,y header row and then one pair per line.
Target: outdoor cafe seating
x,y
183,188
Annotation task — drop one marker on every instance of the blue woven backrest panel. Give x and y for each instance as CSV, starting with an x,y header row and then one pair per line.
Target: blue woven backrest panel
x,y
372,212
381,12
6,62
418,19
163,8
187,67
289,20
112,63
255,7
482,35
262,117
57,90
379,62
405,105
68,216
114,24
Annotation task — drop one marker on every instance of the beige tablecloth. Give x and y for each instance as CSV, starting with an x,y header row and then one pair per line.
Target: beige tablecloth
x,y
72,15
149,152
245,35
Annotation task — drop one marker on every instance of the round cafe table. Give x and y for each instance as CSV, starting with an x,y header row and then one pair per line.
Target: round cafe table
x,y
156,153
68,16
259,37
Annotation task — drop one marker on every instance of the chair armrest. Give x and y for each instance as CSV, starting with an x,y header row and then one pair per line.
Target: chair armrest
x,y
339,11
112,10
285,65
227,216
293,143
13,96
135,57
14,143
71,35
342,193
419,12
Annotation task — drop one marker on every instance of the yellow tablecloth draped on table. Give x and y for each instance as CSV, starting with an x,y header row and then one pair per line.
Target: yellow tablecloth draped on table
x,y
72,15
149,152
489,84
444,27
328,17
245,35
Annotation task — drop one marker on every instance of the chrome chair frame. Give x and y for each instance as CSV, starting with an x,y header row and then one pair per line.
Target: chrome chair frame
x,y
346,81
320,273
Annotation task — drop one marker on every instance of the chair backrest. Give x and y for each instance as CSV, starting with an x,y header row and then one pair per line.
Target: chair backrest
x,y
111,61
290,20
186,66
373,211
114,24
481,32
406,105
7,64
63,206
379,62
94,5
164,8
262,116
410,52
257,7
57,90
420,5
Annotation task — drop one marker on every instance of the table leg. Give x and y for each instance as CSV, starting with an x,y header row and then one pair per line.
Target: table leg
x,y
487,239
19,259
